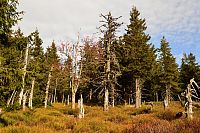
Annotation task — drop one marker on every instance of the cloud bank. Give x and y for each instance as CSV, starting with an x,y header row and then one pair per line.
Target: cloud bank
x,y
61,20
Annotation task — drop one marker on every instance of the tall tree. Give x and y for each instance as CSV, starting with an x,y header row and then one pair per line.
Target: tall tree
x,y
169,69
9,16
108,29
137,55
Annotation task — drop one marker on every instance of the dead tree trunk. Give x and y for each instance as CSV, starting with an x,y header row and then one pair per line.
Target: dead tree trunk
x,y
76,76
107,71
47,88
113,95
9,100
189,100
68,100
54,99
73,99
138,93
81,108
13,98
31,95
24,74
24,101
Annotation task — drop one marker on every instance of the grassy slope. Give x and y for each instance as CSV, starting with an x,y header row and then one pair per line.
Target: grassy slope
x,y
61,118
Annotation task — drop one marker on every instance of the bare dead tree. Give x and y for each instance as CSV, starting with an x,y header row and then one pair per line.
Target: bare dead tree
x,y
108,28
24,73
47,87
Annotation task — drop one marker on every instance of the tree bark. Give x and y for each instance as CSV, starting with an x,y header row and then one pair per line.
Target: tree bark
x,y
167,98
68,100
31,94
55,92
81,108
113,95
47,87
73,100
189,100
138,93
24,74
9,100
106,101
24,101
13,98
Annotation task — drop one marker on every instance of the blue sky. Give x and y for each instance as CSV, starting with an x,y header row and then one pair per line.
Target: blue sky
x,y
61,20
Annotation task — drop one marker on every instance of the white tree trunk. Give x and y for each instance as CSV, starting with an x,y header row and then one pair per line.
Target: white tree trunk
x,y
106,101
68,100
113,95
9,100
63,98
47,88
81,108
24,101
55,92
73,99
31,95
138,93
13,99
189,100
24,74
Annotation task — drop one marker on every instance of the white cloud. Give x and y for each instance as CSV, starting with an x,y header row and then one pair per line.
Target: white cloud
x,y
61,19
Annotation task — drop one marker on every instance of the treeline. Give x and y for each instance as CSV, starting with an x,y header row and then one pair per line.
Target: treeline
x,y
113,70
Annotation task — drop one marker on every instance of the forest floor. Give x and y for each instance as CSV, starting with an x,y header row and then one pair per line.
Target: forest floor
x,y
62,119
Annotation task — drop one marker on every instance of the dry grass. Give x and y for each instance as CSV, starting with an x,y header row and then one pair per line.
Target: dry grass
x,y
61,119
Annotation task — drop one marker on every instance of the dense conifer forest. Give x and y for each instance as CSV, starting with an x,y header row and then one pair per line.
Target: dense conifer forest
x,y
117,75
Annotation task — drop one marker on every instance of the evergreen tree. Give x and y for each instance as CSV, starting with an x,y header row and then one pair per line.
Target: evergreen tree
x,y
137,55
169,69
9,16
38,67
189,69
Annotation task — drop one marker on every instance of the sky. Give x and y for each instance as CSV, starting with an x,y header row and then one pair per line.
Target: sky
x,y
61,20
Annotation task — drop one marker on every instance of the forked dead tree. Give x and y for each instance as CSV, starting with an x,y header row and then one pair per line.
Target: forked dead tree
x,y
190,93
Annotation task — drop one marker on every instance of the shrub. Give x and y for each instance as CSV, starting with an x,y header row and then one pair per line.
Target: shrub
x,y
143,110
13,107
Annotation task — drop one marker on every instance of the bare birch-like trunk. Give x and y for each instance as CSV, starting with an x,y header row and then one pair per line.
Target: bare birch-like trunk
x,y
13,98
106,100
47,88
113,95
90,96
68,100
9,100
24,101
138,93
54,99
189,100
156,96
63,98
81,108
73,99
31,94
24,74
167,98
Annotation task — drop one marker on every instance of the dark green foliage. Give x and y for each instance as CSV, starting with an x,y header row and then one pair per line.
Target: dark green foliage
x,y
169,74
136,55
13,107
189,69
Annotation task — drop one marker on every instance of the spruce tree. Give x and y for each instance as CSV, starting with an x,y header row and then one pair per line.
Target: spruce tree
x,y
137,55
169,69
